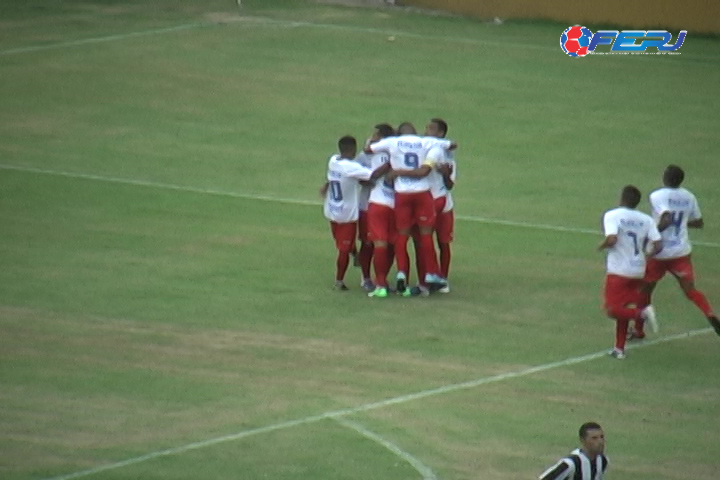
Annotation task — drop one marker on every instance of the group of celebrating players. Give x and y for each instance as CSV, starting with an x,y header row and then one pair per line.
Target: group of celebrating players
x,y
397,188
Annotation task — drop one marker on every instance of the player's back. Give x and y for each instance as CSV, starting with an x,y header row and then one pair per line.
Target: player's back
x,y
342,198
632,227
683,207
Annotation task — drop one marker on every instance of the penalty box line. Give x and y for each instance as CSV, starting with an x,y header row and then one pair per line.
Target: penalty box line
x,y
339,414
291,201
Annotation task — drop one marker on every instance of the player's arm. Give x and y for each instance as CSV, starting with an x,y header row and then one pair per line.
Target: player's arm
x,y
610,227
560,471
608,242
420,172
380,146
665,221
324,189
446,170
695,218
696,223
655,240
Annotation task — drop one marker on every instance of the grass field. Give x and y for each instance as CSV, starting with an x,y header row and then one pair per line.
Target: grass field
x,y
166,309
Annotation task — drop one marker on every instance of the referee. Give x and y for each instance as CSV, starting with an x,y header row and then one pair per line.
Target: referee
x,y
585,463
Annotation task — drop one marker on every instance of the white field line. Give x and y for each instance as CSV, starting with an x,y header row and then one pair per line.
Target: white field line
x,y
422,469
263,21
335,414
291,201
108,38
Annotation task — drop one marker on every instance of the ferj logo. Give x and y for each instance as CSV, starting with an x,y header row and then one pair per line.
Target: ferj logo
x,y
579,41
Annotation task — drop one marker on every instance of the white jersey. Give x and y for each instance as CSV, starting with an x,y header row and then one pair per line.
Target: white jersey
x,y
366,161
408,152
683,207
437,185
381,193
342,198
633,229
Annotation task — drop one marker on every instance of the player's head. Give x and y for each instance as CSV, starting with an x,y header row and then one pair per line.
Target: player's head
x,y
673,176
407,128
382,130
592,438
630,196
347,146
436,128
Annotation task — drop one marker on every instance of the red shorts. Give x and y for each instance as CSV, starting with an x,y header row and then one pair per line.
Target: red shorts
x,y
445,226
381,223
623,291
344,234
416,208
363,226
680,267
439,204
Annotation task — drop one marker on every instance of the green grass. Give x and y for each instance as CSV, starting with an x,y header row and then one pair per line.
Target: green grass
x,y
135,317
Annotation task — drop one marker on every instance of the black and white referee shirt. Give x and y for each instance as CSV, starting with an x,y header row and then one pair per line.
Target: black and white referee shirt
x,y
577,466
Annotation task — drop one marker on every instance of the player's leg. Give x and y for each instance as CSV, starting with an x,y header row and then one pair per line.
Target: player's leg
x,y
380,220
424,215
444,226
366,252
403,223
682,269
620,293
344,234
419,263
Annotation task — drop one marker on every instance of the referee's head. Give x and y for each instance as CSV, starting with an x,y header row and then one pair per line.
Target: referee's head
x,y
592,439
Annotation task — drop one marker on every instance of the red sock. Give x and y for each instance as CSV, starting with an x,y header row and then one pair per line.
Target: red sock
x,y
419,261
366,254
343,260
427,250
621,329
401,254
697,297
381,262
390,256
640,327
445,256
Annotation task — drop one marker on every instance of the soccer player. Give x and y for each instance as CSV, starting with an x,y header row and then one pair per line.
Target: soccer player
x,y
627,232
381,216
587,462
413,200
364,256
342,190
442,180
675,209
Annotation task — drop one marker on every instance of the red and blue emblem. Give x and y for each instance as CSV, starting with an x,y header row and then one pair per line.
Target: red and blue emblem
x,y
575,40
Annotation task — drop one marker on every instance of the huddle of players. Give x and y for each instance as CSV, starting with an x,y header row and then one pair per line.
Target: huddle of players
x,y
642,249
396,189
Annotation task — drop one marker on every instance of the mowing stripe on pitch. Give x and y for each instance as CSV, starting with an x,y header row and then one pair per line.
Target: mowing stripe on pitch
x,y
292,201
335,414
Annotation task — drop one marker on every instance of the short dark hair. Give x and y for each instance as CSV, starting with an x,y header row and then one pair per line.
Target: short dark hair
x,y
442,124
406,128
630,196
347,142
673,176
586,427
385,130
